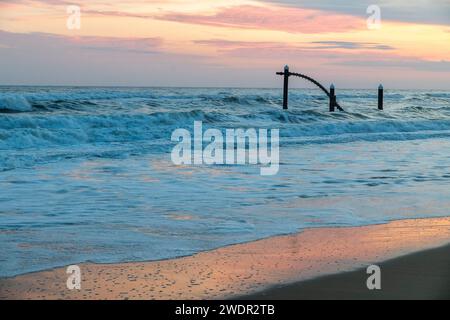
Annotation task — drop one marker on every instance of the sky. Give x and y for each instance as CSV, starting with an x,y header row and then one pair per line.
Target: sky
x,y
226,43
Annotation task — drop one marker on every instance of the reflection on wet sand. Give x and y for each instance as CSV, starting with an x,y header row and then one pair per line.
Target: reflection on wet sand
x,y
238,269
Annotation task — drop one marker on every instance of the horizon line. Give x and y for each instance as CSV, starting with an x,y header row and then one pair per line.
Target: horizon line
x,y
206,87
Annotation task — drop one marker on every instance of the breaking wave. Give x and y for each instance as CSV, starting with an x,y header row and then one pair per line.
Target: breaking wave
x,y
90,118
14,103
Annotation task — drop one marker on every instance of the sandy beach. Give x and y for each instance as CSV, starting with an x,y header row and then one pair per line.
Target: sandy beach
x,y
254,267
423,275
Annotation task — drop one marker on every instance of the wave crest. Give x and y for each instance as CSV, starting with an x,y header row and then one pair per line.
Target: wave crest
x,y
14,103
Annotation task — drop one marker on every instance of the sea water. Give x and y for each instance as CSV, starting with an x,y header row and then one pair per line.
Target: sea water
x,y
86,173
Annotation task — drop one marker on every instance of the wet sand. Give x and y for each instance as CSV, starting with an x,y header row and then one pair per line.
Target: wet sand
x,y
248,268
418,276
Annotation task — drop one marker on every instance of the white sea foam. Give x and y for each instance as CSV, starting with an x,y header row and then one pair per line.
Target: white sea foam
x,y
14,103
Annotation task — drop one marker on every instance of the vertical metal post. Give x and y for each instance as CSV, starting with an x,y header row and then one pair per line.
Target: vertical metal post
x,y
286,88
380,97
332,98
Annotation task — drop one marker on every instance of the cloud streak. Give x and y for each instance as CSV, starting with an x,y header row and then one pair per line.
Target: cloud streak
x,y
350,45
110,44
429,12
230,46
293,20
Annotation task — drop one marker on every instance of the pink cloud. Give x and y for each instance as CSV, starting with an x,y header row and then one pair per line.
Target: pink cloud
x,y
294,20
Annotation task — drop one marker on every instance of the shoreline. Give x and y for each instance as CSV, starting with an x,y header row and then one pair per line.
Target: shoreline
x,y
240,270
88,261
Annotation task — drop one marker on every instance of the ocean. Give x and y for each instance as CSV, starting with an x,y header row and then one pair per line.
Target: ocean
x,y
86,173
